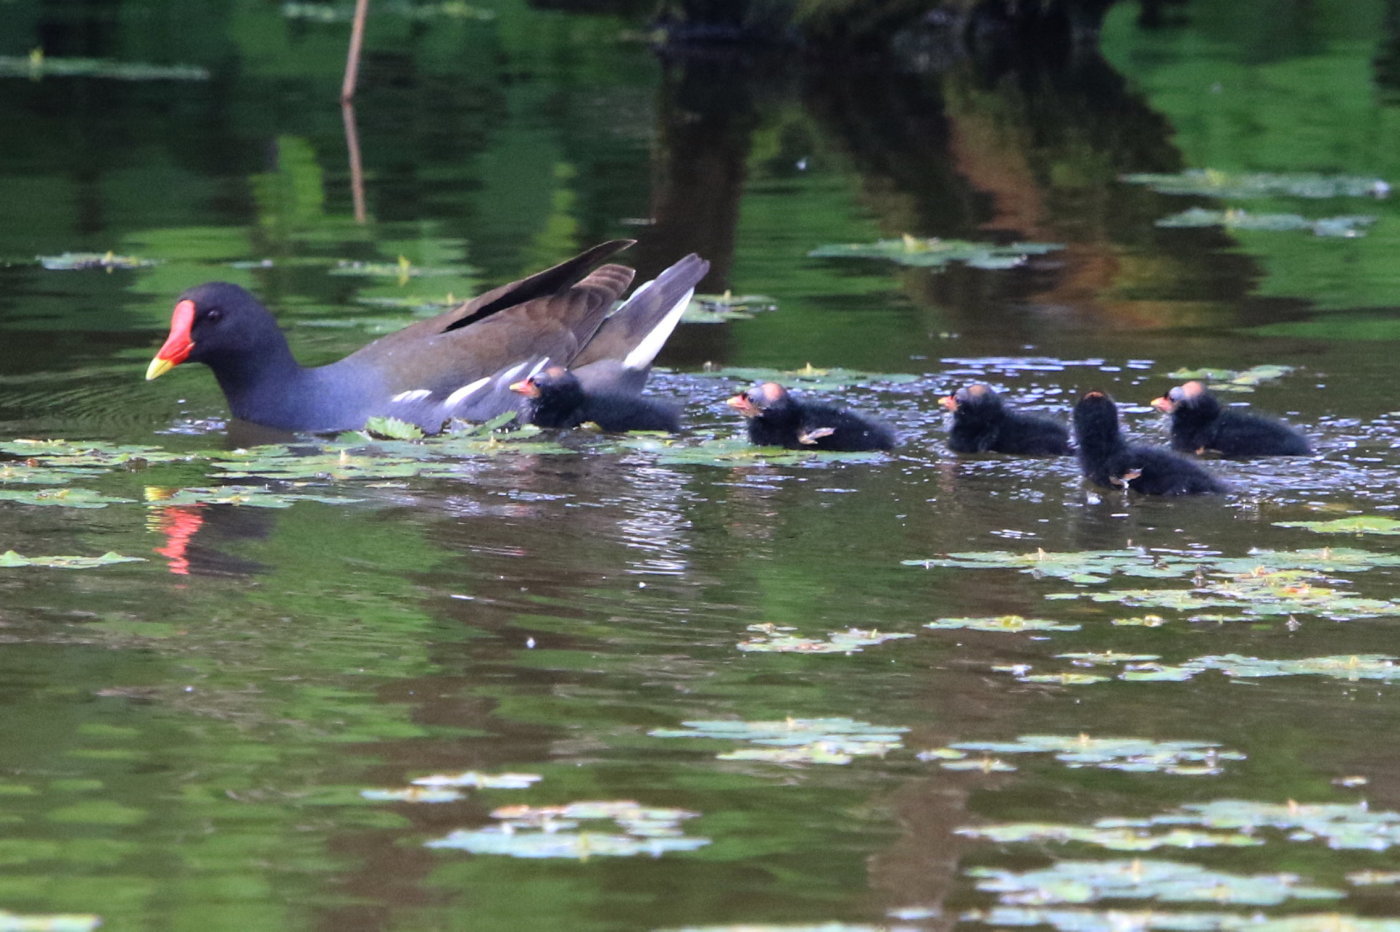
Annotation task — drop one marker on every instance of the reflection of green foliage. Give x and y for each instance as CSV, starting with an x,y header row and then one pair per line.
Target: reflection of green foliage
x,y
931,253
1142,879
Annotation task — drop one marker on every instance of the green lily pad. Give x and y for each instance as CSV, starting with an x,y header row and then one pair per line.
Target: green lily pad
x,y
1142,879
1064,919
37,65
61,497
934,252
1341,826
548,832
27,473
107,261
402,271
391,428
1233,380
1361,524
733,451
51,922
250,495
1013,624
1111,837
413,794
719,308
1254,595
775,639
1212,183
1234,219
808,378
1136,755
795,740
10,559
483,781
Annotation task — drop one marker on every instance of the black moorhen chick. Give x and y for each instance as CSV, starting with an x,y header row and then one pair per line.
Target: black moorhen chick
x,y
1199,423
457,365
558,399
982,423
1107,459
777,419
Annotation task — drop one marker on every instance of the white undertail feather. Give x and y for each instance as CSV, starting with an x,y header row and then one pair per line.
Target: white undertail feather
x,y
645,351
465,392
416,394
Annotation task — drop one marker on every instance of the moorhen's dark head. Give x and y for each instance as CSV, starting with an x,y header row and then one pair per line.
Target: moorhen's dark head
x,y
1095,417
974,399
764,398
551,382
1192,396
215,320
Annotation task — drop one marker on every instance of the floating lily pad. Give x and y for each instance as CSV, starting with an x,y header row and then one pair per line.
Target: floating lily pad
x,y
983,764
484,781
38,65
1142,879
1112,837
391,428
1338,825
1260,594
250,495
1137,755
10,559
1233,380
1374,878
402,271
1234,219
805,378
776,639
52,922
548,832
1212,183
33,473
930,253
796,740
1002,623
718,308
1065,919
413,794
1361,524
734,451
62,498
344,12
107,261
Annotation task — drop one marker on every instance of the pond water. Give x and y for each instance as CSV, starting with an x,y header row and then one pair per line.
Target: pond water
x,y
352,684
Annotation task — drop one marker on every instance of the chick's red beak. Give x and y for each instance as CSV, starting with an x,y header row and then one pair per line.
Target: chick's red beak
x,y
741,403
949,402
1164,404
178,345
526,387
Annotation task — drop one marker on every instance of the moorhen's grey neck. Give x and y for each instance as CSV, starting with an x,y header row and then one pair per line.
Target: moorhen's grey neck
x,y
459,364
1199,424
982,423
1107,459
777,419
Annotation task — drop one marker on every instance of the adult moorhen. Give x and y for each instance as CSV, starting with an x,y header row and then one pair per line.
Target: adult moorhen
x,y
1107,459
459,364
777,419
558,398
982,423
1199,423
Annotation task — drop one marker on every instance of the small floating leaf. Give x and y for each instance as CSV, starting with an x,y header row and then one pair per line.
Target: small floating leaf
x,y
391,428
63,498
1112,836
1234,380
796,740
471,778
718,308
1213,183
775,639
1348,226
1361,524
548,832
1138,879
805,378
73,261
1002,623
10,559
1139,755
412,794
930,253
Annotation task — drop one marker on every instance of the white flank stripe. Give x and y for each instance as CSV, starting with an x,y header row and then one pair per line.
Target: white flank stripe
x,y
651,344
417,394
466,391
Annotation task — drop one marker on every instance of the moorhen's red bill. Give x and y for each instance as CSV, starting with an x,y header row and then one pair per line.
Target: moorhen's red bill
x,y
1107,459
777,419
1200,424
459,364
